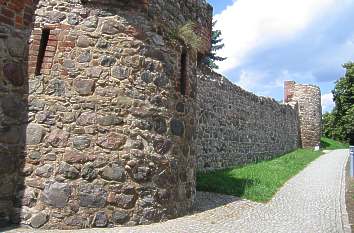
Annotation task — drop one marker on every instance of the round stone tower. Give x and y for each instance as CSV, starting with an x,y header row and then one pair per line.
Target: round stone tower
x,y
110,96
308,99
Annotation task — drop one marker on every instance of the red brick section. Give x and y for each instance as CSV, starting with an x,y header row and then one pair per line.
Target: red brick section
x,y
58,40
288,90
16,13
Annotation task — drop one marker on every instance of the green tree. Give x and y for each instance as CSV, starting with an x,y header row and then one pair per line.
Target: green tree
x,y
328,125
339,124
216,44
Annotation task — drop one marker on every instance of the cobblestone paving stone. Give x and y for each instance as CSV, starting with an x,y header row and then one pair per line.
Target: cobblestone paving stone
x,y
312,201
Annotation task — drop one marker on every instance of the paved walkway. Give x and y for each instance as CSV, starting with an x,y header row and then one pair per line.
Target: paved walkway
x,y
313,201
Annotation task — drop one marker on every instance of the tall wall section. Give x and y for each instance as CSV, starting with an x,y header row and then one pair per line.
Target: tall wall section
x,y
235,127
15,29
308,100
97,133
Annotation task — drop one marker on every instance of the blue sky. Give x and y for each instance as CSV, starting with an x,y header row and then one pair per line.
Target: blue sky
x,y
269,41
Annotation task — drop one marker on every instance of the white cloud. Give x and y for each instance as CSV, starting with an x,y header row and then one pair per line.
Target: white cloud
x,y
259,82
254,24
249,80
270,83
327,102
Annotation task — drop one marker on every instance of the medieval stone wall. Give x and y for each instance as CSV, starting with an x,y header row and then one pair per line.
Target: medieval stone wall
x,y
101,123
15,23
308,99
235,127
98,132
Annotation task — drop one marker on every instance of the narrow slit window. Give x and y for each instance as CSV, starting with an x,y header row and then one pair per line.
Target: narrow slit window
x,y
42,49
183,78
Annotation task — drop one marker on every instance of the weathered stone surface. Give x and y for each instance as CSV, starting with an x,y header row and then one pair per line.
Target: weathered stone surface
x,y
89,172
56,87
120,216
69,64
180,107
84,57
229,134
108,61
73,19
162,146
10,134
100,219
146,77
55,17
58,138
112,141
84,86
159,125
161,81
150,214
110,120
125,201
111,27
94,72
87,118
34,134
16,47
113,172
74,156
102,43
141,174
90,23
45,117
177,127
12,106
68,171
35,155
36,105
92,197
89,99
45,171
83,41
7,164
35,86
13,72
56,194
77,221
81,142
120,73
50,157
308,101
39,220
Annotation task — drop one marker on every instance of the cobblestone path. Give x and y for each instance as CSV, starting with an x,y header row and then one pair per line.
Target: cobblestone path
x,y
311,202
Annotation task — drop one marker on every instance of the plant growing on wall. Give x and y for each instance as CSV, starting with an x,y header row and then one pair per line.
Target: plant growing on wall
x,y
216,44
187,36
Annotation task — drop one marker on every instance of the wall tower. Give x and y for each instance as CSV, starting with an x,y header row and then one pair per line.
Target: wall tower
x,y
97,111
308,99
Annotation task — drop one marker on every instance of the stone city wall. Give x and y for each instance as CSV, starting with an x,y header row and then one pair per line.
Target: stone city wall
x,y
98,132
308,99
236,127
15,29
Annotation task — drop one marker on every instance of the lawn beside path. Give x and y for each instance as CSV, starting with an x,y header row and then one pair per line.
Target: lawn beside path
x,y
260,181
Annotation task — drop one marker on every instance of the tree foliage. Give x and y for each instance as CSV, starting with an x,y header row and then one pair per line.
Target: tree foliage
x,y
216,44
339,124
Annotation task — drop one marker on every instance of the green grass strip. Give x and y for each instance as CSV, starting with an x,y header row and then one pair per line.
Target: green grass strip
x,y
257,182
329,144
